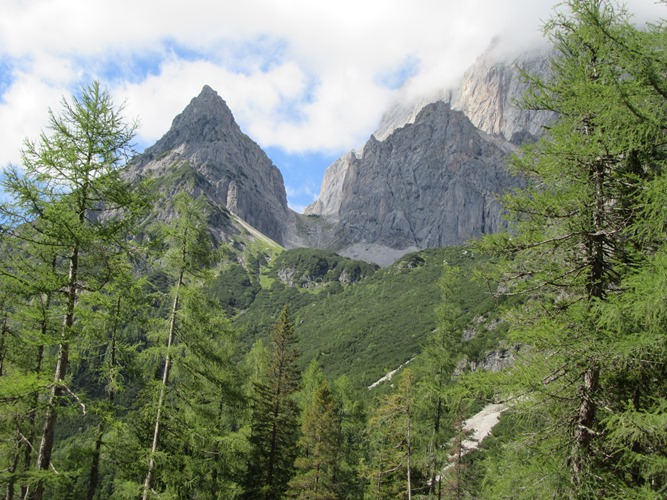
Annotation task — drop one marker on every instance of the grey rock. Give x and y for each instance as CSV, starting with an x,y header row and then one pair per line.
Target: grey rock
x,y
429,184
430,176
492,89
206,153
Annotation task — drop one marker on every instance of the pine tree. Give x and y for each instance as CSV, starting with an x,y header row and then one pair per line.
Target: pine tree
x,y
275,417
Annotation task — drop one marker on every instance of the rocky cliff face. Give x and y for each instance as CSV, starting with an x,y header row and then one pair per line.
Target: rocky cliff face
x,y
429,184
487,94
430,175
205,152
492,87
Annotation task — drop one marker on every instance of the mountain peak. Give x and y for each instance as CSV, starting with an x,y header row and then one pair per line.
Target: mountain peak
x,y
204,114
206,153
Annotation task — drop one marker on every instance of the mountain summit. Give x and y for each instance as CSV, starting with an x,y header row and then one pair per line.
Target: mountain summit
x,y
428,178
206,153
431,183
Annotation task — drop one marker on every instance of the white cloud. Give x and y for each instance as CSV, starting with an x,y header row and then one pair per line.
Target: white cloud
x,y
298,74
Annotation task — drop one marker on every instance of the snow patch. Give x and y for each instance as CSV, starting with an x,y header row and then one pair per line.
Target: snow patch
x,y
388,376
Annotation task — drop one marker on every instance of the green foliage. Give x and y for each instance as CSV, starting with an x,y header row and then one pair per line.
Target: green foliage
x,y
391,442
583,240
309,268
316,464
374,325
68,218
274,427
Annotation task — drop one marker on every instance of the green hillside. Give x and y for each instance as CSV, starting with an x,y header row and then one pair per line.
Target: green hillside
x,y
352,317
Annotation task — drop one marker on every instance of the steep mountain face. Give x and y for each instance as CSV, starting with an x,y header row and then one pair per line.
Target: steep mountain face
x,y
487,94
205,153
428,178
430,175
429,184
491,89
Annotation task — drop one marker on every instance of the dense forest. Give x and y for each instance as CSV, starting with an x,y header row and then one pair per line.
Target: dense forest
x,y
147,359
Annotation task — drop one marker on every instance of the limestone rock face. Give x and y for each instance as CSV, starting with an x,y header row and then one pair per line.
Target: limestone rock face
x,y
488,95
429,184
403,113
491,89
431,173
334,178
205,152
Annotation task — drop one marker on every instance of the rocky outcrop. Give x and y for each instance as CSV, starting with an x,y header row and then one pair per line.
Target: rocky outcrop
x,y
429,184
205,152
491,90
402,112
332,184
489,94
422,183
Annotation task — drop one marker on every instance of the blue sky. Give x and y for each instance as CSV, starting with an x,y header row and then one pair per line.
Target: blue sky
x,y
307,79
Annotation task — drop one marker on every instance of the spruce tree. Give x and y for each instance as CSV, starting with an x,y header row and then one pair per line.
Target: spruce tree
x,y
275,416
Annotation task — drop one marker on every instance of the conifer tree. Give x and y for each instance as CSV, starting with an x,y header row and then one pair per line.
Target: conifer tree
x,y
391,430
318,448
275,416
437,402
190,255
577,227
69,197
350,443
111,318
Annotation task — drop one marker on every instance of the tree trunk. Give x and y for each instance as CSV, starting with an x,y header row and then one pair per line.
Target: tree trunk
x,y
3,346
93,478
62,363
585,419
433,448
409,452
27,454
163,390
11,481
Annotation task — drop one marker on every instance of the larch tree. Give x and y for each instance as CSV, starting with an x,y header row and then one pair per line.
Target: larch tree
x,y
577,228
190,255
391,428
69,196
436,401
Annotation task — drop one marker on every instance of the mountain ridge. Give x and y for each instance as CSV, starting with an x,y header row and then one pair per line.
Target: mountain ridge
x,y
429,178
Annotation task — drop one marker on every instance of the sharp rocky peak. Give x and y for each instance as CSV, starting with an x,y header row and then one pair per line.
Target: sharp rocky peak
x,y
206,154
203,120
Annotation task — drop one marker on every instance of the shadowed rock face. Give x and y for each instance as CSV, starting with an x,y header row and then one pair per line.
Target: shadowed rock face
x,y
429,184
205,152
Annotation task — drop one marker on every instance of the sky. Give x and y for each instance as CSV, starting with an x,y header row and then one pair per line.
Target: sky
x,y
307,80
